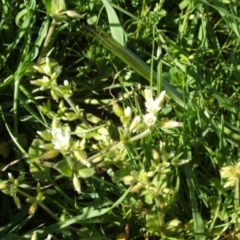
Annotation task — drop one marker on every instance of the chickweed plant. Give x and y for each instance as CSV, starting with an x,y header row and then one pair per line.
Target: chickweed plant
x,y
119,120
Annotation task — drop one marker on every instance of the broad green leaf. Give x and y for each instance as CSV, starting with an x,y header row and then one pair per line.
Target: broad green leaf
x,y
64,168
86,172
48,5
35,151
39,173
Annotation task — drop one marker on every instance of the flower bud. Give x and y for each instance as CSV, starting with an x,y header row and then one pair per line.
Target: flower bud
x,y
50,154
128,112
170,124
118,110
34,236
148,95
33,208
162,147
76,184
17,202
3,186
134,124
161,98
11,178
40,197
136,187
143,177
73,14
50,192
155,155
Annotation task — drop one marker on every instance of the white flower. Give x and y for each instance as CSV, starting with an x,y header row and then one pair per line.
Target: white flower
x,y
149,119
65,83
153,106
60,139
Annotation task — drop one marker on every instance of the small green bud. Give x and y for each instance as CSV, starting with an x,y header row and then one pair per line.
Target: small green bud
x,y
118,110
16,183
38,188
143,177
55,123
162,147
50,192
128,179
136,187
155,155
80,155
4,186
50,154
140,127
63,217
150,174
40,197
17,202
31,199
45,135
33,208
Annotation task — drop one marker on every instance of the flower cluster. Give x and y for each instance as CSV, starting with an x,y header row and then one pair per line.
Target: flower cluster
x,y
153,106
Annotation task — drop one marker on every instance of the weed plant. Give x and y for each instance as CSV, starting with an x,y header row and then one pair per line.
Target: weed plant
x,y
119,120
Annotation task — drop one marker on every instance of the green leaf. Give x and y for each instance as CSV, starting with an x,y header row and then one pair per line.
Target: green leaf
x,y
64,168
40,173
86,172
153,222
58,6
117,31
197,219
35,151
48,5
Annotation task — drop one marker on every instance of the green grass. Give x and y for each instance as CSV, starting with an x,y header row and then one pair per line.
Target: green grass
x,y
80,159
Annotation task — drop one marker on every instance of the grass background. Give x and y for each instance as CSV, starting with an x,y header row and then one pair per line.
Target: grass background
x,y
192,45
